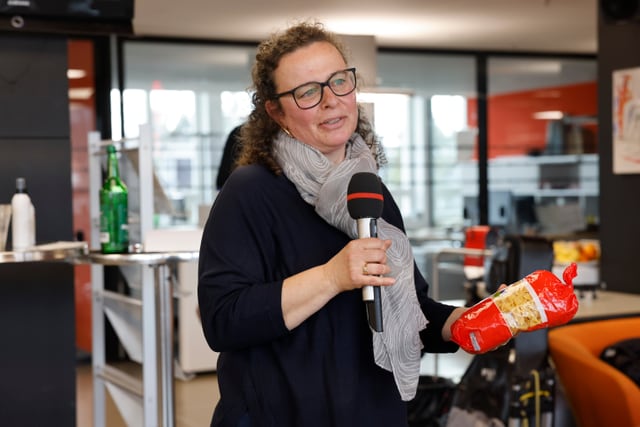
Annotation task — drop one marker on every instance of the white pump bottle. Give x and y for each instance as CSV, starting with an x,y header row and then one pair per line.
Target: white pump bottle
x,y
22,218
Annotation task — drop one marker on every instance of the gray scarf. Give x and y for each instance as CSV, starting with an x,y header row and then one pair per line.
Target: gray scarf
x,y
323,185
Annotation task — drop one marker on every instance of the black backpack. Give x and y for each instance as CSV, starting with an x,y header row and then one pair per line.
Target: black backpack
x,y
624,356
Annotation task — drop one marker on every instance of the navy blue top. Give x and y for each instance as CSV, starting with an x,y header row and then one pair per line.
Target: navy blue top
x,y
321,373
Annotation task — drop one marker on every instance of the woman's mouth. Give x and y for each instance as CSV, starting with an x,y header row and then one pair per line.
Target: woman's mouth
x,y
332,122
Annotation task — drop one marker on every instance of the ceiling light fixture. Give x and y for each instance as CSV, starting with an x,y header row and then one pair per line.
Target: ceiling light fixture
x,y
74,73
80,93
548,115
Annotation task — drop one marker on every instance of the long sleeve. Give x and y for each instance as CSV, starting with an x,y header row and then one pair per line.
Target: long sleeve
x,y
239,290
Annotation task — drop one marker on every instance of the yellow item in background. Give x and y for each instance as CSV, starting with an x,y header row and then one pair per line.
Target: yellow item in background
x,y
584,252
566,251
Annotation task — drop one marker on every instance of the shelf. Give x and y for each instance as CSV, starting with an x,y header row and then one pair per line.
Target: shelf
x,y
144,326
58,251
571,175
141,258
566,159
542,160
565,192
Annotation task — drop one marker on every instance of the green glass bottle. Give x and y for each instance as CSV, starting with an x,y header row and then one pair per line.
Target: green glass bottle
x,y
114,208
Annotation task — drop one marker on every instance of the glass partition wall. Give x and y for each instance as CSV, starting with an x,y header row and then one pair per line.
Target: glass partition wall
x,y
540,132
542,151
423,154
193,95
542,162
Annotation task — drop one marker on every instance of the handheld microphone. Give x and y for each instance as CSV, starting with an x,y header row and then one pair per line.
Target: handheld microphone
x,y
364,203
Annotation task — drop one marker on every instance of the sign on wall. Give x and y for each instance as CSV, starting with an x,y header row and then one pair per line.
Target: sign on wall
x,y
626,121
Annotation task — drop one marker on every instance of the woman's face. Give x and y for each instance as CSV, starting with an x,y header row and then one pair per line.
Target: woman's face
x,y
327,126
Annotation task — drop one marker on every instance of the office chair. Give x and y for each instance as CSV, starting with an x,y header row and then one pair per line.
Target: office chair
x,y
597,393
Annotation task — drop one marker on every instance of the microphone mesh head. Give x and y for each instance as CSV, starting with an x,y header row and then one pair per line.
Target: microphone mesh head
x,y
364,196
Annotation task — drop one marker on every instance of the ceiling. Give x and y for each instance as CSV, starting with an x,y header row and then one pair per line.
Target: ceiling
x,y
564,26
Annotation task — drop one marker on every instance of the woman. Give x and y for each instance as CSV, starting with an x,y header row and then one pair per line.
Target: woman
x,y
281,271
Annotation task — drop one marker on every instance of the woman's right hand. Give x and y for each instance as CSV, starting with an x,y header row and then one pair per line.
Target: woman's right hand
x,y
362,262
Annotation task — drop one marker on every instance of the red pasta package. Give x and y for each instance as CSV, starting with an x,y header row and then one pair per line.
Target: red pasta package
x,y
539,300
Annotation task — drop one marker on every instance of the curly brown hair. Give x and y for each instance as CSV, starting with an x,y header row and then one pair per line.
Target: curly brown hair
x,y
258,133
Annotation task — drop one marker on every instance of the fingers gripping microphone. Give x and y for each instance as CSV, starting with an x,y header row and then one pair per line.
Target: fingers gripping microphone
x,y
364,202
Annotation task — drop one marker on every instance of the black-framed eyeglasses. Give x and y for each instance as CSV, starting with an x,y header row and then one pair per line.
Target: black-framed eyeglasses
x,y
308,95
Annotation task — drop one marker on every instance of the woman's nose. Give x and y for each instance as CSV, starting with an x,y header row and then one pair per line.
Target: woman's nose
x,y
328,97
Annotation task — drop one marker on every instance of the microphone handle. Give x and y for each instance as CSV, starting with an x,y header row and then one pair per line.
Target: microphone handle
x,y
368,227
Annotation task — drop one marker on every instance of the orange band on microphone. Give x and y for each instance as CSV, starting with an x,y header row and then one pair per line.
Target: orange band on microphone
x,y
363,195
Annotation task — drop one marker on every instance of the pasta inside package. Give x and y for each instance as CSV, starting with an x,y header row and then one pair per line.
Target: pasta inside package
x,y
539,300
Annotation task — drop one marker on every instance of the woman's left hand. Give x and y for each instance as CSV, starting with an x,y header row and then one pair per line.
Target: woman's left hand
x,y
455,315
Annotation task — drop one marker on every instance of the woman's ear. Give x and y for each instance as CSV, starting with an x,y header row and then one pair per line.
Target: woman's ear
x,y
274,111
